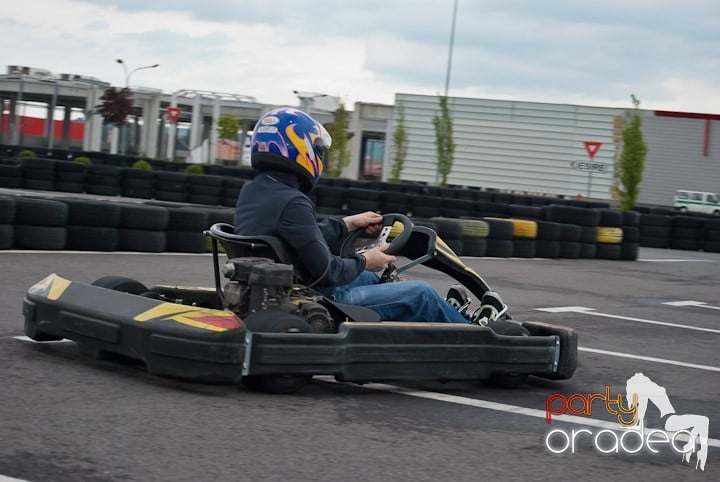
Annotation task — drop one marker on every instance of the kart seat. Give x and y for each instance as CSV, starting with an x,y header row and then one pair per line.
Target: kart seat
x,y
262,246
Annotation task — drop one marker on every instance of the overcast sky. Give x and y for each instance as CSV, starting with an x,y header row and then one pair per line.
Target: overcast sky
x,y
585,52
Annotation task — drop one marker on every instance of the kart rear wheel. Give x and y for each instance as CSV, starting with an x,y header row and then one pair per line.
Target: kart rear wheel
x,y
276,322
120,283
507,380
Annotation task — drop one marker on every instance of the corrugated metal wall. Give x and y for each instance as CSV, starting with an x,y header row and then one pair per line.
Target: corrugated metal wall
x,y
509,145
676,160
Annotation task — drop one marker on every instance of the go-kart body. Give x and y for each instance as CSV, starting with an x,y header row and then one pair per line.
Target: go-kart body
x,y
250,331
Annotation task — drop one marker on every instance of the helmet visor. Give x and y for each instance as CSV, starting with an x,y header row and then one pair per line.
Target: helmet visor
x,y
322,143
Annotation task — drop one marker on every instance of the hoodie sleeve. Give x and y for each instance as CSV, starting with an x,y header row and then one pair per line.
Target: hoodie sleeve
x,y
299,228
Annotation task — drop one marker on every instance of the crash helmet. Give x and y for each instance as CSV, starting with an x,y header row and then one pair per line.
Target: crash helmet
x,y
288,139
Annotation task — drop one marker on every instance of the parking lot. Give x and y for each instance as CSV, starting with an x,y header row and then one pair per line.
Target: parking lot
x,y
66,417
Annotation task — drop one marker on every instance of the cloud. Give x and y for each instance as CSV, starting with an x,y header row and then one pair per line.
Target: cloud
x,y
591,52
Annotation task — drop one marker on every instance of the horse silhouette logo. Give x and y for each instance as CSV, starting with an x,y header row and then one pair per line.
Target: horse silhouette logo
x,y
640,390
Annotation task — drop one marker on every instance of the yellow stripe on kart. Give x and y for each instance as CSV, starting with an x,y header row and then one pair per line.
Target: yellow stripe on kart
x,y
52,287
207,319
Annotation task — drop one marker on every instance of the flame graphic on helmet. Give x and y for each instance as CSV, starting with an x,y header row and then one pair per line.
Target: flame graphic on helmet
x,y
306,153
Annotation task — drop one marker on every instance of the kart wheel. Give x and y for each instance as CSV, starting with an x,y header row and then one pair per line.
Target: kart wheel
x,y
276,322
120,283
507,380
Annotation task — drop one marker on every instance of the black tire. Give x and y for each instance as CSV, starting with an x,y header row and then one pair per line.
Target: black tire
x,y
608,251
500,229
547,249
178,197
142,240
36,185
88,212
548,230
648,230
92,238
588,251
138,193
655,220
7,210
629,251
507,380
276,322
499,248
569,249
7,235
525,212
39,237
74,187
121,283
474,247
630,234
187,219
142,216
572,215
610,218
685,244
631,218
571,233
208,200
524,248
655,241
362,205
40,212
448,229
102,189
11,182
711,246
425,211
185,242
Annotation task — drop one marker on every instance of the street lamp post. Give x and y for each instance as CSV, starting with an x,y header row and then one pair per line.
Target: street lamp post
x,y
128,75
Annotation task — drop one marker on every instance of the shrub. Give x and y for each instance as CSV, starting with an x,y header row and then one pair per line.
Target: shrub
x,y
83,160
26,153
142,164
195,169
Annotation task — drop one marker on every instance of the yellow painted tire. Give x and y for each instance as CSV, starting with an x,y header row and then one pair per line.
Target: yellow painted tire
x,y
522,228
609,235
474,228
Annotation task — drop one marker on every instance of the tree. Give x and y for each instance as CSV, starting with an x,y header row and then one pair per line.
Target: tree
x,y
338,156
228,127
444,140
116,106
400,146
629,169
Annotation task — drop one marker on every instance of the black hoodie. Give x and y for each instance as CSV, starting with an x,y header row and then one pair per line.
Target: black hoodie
x,y
273,204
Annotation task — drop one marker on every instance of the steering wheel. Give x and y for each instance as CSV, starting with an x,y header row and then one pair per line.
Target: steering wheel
x,y
395,246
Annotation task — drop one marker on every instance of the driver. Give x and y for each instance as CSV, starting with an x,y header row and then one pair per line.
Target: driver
x,y
288,150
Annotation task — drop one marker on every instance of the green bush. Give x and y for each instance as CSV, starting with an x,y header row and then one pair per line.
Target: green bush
x,y
26,153
195,169
142,164
83,160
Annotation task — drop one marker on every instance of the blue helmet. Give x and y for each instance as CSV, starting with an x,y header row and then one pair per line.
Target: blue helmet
x,y
288,139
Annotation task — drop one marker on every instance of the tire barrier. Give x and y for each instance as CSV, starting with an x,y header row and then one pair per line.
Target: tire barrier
x,y
111,175
40,224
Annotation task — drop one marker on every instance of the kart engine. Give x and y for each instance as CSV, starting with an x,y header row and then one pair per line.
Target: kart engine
x,y
257,284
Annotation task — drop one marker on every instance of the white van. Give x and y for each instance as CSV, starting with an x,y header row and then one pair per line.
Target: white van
x,y
696,201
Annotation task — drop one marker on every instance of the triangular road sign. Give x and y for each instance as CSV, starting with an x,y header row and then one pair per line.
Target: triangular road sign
x,y
592,147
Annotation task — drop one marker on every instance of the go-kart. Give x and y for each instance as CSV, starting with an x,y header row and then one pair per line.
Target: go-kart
x,y
269,328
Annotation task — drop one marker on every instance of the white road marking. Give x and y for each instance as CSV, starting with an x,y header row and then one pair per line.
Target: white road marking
x,y
27,338
591,311
700,304
501,407
649,358
678,260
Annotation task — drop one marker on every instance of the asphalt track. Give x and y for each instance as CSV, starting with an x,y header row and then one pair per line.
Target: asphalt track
x,y
64,417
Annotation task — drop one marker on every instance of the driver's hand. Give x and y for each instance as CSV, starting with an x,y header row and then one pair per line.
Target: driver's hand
x,y
376,259
371,221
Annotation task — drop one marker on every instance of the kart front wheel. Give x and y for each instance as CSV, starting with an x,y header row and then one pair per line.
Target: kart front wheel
x,y
276,322
507,380
120,283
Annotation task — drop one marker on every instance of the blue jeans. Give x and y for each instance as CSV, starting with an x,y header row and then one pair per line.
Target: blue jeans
x,y
399,301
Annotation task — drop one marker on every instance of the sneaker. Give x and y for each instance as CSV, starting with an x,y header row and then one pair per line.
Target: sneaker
x,y
458,298
491,309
